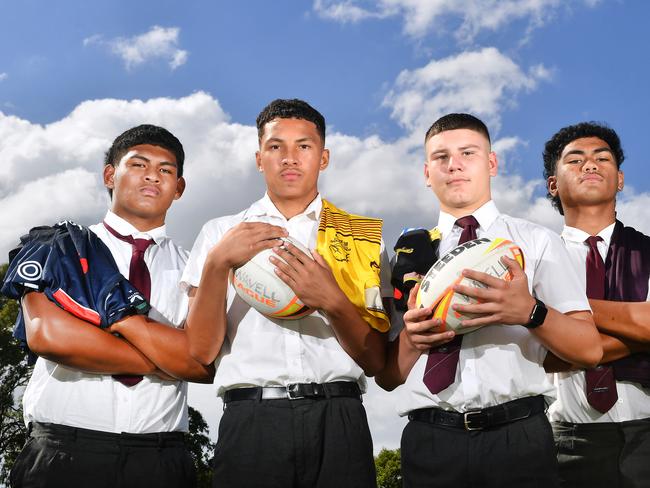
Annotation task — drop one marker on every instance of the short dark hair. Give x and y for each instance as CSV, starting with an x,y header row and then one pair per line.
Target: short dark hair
x,y
290,109
457,121
556,144
146,134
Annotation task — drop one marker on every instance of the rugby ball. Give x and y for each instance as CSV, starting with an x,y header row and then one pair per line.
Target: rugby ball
x,y
436,288
258,285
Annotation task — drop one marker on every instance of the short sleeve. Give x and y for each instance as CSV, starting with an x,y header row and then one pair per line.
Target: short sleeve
x,y
555,280
207,238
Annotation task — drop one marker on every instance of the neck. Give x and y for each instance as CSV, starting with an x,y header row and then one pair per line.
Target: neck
x,y
290,207
459,212
142,224
590,219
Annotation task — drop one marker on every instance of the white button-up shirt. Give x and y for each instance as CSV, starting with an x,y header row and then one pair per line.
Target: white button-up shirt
x,y
259,351
63,395
571,406
499,363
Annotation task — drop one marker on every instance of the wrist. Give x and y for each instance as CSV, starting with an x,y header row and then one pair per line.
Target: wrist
x,y
537,315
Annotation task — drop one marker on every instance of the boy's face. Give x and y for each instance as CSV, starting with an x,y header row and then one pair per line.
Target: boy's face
x,y
145,182
458,168
586,174
291,155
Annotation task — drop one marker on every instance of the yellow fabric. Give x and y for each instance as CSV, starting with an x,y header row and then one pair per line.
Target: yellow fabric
x,y
351,245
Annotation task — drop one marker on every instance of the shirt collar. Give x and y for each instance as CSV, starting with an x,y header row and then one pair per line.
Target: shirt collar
x,y
159,234
485,215
574,234
264,207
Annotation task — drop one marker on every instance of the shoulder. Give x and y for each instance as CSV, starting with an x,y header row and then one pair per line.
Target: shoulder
x,y
219,225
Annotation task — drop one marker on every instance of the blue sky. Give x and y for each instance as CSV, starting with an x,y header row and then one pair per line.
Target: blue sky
x,y
74,74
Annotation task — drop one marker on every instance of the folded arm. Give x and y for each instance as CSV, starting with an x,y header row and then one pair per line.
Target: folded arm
x,y
626,320
165,346
61,337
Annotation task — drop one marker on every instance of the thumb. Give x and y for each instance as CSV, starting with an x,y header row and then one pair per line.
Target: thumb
x,y
514,268
320,259
413,297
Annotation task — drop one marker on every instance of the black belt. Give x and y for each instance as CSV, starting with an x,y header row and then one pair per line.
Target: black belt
x,y
294,391
72,434
485,418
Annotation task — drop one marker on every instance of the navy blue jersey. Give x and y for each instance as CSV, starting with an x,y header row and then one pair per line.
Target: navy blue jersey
x,y
76,271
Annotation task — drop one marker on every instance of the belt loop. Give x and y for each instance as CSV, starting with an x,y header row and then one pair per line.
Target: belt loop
x,y
326,390
30,427
260,391
74,434
161,441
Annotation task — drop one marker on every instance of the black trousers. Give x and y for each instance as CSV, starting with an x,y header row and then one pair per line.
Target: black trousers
x,y
61,456
611,455
520,454
310,443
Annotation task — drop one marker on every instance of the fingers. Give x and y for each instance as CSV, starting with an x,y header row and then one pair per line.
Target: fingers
x,y
413,296
483,278
515,269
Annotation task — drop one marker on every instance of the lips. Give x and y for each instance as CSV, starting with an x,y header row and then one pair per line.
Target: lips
x,y
150,191
457,181
290,175
591,177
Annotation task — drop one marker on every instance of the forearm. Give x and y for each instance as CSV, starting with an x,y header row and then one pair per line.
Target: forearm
x,y
206,320
627,320
364,344
572,338
613,348
166,347
400,359
60,337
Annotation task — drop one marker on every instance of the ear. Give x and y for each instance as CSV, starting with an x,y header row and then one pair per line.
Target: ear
x,y
621,181
426,174
493,163
109,176
258,162
551,185
324,159
180,188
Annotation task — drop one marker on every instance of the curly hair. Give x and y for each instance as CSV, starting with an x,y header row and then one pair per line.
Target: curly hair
x,y
556,144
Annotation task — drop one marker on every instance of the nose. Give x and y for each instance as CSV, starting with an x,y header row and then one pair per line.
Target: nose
x,y
453,164
290,158
152,175
590,165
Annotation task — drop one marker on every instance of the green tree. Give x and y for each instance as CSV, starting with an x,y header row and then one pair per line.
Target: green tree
x,y
14,375
389,469
198,442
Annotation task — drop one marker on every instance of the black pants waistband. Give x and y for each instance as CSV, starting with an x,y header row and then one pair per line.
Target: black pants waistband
x,y
482,419
71,434
295,391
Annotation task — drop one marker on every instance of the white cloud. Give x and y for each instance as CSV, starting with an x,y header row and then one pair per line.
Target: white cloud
x,y
157,43
3,76
423,16
482,82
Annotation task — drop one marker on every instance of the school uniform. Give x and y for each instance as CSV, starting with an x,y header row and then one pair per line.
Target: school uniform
x,y
93,430
293,413
597,448
488,428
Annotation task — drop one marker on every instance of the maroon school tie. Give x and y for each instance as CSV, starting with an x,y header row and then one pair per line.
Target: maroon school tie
x,y
140,278
442,362
601,385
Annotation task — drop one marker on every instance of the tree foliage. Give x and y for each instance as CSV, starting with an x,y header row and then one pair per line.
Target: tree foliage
x,y
14,374
389,470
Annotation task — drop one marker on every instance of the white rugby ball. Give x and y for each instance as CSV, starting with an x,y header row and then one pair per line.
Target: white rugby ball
x,y
258,285
436,288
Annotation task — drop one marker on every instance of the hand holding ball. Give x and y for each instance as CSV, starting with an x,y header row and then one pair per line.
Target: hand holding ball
x,y
436,289
258,285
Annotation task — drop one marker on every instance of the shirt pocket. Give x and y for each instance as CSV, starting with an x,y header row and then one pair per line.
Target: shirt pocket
x,y
170,305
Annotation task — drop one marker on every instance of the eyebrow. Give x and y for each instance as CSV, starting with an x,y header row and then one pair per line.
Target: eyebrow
x,y
302,139
162,163
582,153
